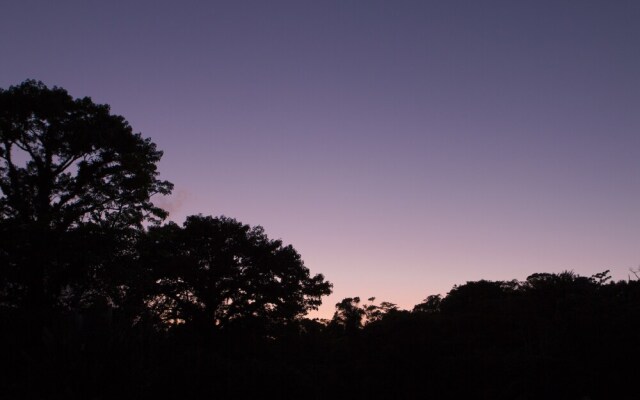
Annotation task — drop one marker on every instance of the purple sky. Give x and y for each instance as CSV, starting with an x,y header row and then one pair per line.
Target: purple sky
x,y
400,146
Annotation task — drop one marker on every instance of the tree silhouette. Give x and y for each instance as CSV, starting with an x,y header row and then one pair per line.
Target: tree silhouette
x,y
218,271
348,314
67,161
429,305
64,164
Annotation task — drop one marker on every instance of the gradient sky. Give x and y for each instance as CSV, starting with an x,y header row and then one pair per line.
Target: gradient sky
x,y
400,146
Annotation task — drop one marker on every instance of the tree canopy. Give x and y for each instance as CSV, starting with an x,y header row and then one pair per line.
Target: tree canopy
x,y
70,172
67,161
218,270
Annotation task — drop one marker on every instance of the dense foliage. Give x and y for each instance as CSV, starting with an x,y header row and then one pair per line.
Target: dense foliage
x,y
68,169
557,336
69,161
217,271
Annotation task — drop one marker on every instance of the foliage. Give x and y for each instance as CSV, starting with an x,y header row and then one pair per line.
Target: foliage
x,y
552,336
351,316
214,271
348,314
430,305
71,173
67,161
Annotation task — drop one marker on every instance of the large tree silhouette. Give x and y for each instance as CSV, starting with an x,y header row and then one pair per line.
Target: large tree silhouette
x,y
65,164
66,161
218,271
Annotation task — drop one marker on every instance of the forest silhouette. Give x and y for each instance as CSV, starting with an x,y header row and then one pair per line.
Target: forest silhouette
x,y
100,299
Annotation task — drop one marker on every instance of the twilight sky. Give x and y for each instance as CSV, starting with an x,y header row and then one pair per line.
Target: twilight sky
x,y
400,146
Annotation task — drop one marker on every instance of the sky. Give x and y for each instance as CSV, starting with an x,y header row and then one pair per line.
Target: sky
x,y
400,146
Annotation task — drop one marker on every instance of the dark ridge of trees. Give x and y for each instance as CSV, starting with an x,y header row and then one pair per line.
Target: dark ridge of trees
x,y
551,336
93,304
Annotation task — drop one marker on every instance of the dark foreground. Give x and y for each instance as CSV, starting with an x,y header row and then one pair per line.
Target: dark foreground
x,y
551,337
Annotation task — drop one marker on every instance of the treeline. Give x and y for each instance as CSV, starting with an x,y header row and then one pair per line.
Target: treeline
x,y
100,300
553,336
559,336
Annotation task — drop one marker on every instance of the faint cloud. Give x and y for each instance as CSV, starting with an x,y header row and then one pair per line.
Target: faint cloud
x,y
175,201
